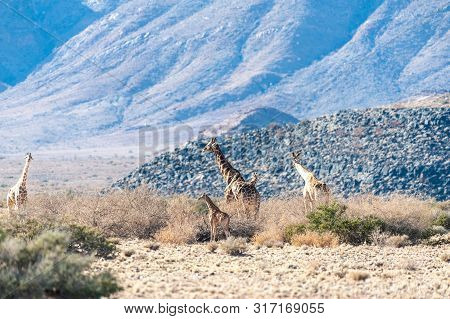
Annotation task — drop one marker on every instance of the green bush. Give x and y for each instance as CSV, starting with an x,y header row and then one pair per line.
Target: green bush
x,y
26,230
2,235
292,230
326,217
42,268
353,230
443,220
87,240
357,230
82,239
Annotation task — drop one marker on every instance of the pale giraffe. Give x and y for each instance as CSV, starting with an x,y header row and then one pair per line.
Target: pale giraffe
x,y
17,195
216,217
237,189
313,186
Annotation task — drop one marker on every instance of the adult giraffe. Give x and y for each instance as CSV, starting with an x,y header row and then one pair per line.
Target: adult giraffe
x,y
237,189
18,195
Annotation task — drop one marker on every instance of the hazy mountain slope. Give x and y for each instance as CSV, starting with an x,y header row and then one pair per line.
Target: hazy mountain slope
x,y
201,62
24,45
403,49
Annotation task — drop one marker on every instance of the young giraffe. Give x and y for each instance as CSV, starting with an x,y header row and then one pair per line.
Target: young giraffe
x,y
237,188
17,195
312,185
216,217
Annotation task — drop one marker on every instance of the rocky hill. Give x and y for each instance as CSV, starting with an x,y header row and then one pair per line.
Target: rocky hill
x,y
378,151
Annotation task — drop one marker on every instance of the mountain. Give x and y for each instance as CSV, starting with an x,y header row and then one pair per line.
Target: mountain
x,y
200,63
250,120
31,29
380,151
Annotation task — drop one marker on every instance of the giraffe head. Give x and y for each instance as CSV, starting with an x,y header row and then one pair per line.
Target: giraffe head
x,y
203,196
28,157
211,146
254,179
296,157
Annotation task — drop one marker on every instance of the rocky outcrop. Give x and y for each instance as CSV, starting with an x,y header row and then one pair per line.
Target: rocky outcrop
x,y
378,151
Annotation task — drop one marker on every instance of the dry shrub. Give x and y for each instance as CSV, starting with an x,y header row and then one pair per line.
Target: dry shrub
x,y
438,240
398,241
43,268
358,275
234,246
137,213
269,238
129,252
281,212
152,245
212,247
382,239
141,213
184,223
240,225
311,238
402,214
408,264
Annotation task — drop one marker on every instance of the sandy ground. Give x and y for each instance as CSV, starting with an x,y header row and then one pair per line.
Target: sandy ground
x,y
69,170
191,271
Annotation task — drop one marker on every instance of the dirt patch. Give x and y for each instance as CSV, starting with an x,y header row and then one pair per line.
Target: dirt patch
x,y
192,271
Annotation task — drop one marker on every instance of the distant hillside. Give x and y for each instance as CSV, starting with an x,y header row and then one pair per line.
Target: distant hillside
x,y
204,62
31,29
378,151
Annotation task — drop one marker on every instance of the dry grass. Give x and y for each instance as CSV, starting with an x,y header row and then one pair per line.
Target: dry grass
x,y
358,275
129,252
212,247
183,224
408,264
445,257
383,239
152,246
315,239
180,219
403,214
128,214
438,240
269,238
234,246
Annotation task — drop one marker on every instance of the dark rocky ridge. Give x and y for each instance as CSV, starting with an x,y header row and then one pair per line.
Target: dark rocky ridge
x,y
378,151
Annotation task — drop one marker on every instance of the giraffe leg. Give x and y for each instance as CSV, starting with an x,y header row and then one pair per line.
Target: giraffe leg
x,y
10,202
311,203
226,227
305,196
256,207
16,200
229,195
211,227
215,232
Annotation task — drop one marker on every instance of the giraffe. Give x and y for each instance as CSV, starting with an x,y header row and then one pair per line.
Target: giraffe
x,y
216,217
237,188
17,195
312,185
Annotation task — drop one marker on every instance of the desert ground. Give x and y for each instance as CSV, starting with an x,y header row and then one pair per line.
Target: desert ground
x,y
192,271
75,170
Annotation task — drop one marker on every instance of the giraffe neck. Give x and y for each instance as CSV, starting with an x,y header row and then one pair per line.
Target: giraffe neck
x,y
303,171
23,177
228,172
211,205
